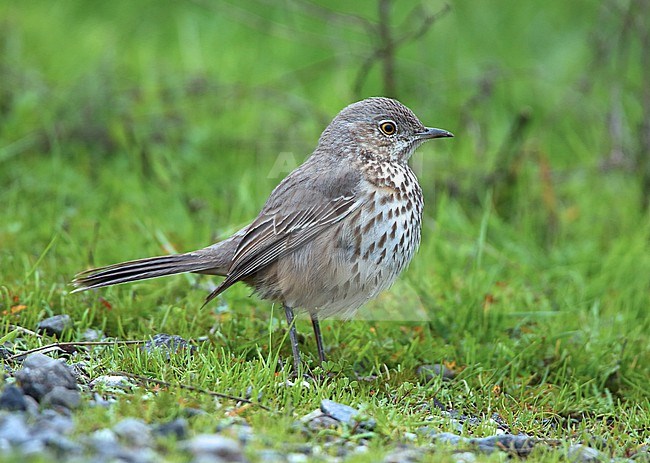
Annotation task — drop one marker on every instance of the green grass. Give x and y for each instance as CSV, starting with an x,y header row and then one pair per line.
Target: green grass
x,y
130,129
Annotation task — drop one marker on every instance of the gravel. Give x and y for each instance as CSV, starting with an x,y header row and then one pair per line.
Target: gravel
x,y
36,420
41,374
520,444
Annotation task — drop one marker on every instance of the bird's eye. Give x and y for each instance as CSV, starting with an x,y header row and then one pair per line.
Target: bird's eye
x,y
388,127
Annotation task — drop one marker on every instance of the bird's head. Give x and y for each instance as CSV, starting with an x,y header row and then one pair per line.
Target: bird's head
x,y
378,128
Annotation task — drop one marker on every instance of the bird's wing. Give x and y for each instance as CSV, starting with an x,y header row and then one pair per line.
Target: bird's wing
x,y
299,209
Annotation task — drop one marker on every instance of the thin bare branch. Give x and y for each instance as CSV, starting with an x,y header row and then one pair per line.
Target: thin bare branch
x,y
63,345
427,23
145,379
387,48
25,330
330,15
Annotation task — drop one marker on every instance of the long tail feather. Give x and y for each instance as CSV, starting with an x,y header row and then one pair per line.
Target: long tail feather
x,y
141,269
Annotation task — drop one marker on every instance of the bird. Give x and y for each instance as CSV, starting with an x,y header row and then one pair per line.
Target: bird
x,y
332,235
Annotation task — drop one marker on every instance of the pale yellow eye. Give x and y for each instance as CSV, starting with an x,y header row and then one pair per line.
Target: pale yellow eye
x,y
388,127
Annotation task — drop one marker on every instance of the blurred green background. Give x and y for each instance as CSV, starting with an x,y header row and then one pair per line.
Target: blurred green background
x,y
130,129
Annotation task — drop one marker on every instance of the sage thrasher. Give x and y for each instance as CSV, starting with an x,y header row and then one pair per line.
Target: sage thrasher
x,y
334,233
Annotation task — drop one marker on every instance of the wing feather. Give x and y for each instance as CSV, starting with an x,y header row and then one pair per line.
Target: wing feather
x,y
274,234
318,194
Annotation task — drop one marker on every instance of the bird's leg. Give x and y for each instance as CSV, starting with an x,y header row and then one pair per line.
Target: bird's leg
x,y
319,338
293,337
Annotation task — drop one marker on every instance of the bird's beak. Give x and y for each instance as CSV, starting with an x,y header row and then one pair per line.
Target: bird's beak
x,y
430,133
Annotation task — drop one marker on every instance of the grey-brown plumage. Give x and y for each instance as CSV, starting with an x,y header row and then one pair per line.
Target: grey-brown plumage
x,y
333,234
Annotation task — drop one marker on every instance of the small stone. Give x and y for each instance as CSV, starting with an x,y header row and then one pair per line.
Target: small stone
x,y
404,455
103,437
168,344
33,409
448,438
177,428
52,422
112,382
410,436
56,325
105,443
215,446
60,396
92,335
272,456
63,446
345,414
5,352
191,412
133,431
32,447
41,374
98,401
579,453
520,445
429,372
297,458
80,372
13,429
12,399
464,457
317,420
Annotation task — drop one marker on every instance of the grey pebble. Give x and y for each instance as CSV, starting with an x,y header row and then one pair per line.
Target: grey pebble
x,y
5,351
60,396
191,412
56,325
404,455
31,447
133,431
14,429
52,422
102,437
64,447
297,458
519,444
98,401
429,372
579,453
220,448
177,428
12,399
168,344
271,456
448,438
41,374
346,415
108,449
92,335
112,382
464,457
317,420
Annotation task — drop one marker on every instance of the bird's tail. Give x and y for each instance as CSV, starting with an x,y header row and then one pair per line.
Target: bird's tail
x,y
213,260
143,269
